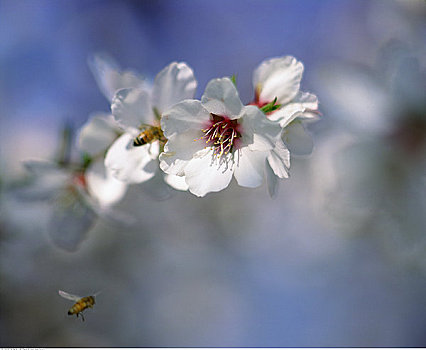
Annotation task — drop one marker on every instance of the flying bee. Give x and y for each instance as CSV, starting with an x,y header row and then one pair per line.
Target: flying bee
x,y
81,303
148,134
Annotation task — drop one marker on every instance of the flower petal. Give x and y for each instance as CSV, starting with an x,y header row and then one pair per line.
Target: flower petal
x,y
189,114
128,163
271,180
178,150
279,160
173,84
177,182
297,139
257,131
97,134
102,186
40,168
71,219
249,167
278,77
110,78
172,165
301,106
48,180
184,145
132,107
221,98
204,175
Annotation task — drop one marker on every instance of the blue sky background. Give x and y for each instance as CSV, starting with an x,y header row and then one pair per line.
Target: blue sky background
x,y
234,268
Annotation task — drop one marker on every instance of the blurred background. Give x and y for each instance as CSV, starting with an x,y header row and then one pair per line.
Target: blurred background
x,y
338,258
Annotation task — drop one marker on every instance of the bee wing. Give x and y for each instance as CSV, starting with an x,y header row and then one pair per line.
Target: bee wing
x,y
144,127
68,295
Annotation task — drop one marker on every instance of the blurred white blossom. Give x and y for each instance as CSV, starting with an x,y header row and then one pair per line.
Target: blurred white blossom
x,y
77,194
94,139
371,174
71,211
110,77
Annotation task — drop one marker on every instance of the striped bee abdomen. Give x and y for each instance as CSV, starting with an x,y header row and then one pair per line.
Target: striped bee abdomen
x,y
81,305
149,134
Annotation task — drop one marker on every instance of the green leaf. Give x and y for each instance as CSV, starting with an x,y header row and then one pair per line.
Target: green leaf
x,y
271,106
156,113
64,150
86,160
234,79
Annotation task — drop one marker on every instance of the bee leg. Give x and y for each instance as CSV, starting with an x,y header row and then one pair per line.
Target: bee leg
x,y
82,317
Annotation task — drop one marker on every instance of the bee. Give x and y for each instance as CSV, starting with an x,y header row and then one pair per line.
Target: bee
x,y
81,303
148,134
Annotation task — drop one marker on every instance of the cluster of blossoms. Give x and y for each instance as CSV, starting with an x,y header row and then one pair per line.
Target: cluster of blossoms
x,y
200,144
160,135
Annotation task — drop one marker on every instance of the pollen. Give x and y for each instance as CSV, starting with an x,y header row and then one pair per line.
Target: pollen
x,y
222,133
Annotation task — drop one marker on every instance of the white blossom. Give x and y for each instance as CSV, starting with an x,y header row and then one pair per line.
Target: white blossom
x,y
76,200
279,78
94,138
212,140
135,108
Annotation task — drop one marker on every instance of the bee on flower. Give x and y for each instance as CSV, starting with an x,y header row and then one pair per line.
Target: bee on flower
x,y
133,157
242,141
211,140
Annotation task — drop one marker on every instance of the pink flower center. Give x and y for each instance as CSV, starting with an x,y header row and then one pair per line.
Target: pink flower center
x,y
222,133
256,102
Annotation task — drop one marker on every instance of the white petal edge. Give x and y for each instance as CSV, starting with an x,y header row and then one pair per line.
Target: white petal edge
x,y
173,84
271,180
177,182
278,77
249,167
188,114
303,106
132,107
203,175
298,139
279,160
109,76
221,98
97,134
178,150
128,163
258,132
102,186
